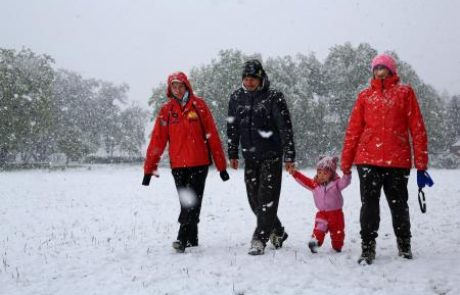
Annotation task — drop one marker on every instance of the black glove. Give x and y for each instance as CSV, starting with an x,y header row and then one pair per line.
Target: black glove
x,y
146,180
224,175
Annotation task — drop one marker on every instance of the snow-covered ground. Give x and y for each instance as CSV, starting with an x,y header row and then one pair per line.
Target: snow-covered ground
x,y
98,231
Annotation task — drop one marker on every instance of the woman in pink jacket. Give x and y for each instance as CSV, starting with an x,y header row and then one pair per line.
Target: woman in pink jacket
x,y
326,187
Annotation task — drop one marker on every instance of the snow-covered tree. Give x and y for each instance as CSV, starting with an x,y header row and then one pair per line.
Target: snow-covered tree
x,y
320,96
25,100
132,131
45,111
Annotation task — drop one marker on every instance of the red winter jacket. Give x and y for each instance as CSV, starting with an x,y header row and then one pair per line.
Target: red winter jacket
x,y
190,131
378,131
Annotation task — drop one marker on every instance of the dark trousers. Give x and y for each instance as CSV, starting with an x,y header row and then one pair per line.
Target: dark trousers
x,y
263,186
190,184
394,183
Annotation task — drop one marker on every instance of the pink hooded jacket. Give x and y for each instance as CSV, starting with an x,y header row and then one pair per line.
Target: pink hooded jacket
x,y
327,197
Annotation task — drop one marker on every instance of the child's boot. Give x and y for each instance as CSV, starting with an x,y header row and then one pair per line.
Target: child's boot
x,y
313,245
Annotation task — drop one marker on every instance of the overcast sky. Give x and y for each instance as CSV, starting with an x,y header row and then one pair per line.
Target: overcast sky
x,y
141,41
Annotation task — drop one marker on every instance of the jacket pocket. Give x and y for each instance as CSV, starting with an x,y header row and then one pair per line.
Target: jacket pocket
x,y
366,138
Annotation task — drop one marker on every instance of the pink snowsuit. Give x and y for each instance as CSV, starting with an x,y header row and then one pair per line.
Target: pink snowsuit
x,y
329,201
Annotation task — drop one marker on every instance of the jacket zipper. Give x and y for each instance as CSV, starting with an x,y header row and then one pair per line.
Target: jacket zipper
x,y
250,121
383,146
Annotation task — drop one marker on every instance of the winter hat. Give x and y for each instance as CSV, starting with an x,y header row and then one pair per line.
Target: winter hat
x,y
253,68
328,163
384,60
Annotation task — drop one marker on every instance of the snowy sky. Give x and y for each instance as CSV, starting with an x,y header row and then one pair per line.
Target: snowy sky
x,y
141,41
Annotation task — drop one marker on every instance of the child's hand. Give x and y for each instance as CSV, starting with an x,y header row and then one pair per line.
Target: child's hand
x,y
346,172
292,170
316,178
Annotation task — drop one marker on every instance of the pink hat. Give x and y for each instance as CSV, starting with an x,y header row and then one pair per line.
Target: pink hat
x,y
327,162
384,60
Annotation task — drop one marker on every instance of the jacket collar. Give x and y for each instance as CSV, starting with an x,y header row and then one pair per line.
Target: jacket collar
x,y
331,182
187,106
388,82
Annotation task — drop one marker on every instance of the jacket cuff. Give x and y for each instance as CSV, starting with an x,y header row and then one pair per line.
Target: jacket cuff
x,y
149,170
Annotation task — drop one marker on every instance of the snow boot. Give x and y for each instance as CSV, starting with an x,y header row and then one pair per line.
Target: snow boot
x,y
257,248
313,245
179,246
192,237
187,236
368,252
404,248
277,239
192,243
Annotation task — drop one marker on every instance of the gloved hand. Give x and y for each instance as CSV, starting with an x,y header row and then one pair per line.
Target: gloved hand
x,y
146,180
423,178
147,177
224,175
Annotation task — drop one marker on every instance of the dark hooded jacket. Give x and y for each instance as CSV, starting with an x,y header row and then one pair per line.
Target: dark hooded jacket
x,y
260,121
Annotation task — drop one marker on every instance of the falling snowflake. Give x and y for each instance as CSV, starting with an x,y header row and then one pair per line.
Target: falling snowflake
x,y
265,134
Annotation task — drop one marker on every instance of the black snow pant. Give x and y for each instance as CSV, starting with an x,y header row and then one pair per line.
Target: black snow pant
x,y
394,183
263,186
190,184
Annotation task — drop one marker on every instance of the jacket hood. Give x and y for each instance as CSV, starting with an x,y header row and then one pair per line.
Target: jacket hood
x,y
265,83
178,76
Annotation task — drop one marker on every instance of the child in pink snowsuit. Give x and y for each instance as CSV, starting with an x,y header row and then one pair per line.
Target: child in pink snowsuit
x,y
326,187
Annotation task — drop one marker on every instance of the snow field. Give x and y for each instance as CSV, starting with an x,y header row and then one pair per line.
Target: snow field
x,y
96,230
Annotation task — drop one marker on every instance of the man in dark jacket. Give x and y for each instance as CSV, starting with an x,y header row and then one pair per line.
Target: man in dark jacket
x,y
259,120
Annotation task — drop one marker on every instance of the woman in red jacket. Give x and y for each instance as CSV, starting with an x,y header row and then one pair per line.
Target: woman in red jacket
x,y
377,141
186,123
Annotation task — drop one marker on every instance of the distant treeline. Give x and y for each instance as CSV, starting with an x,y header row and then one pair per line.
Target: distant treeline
x,y
321,95
44,112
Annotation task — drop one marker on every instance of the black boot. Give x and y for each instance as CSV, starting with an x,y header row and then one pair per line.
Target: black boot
x,y
278,237
182,238
192,239
404,249
368,254
313,245
179,246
